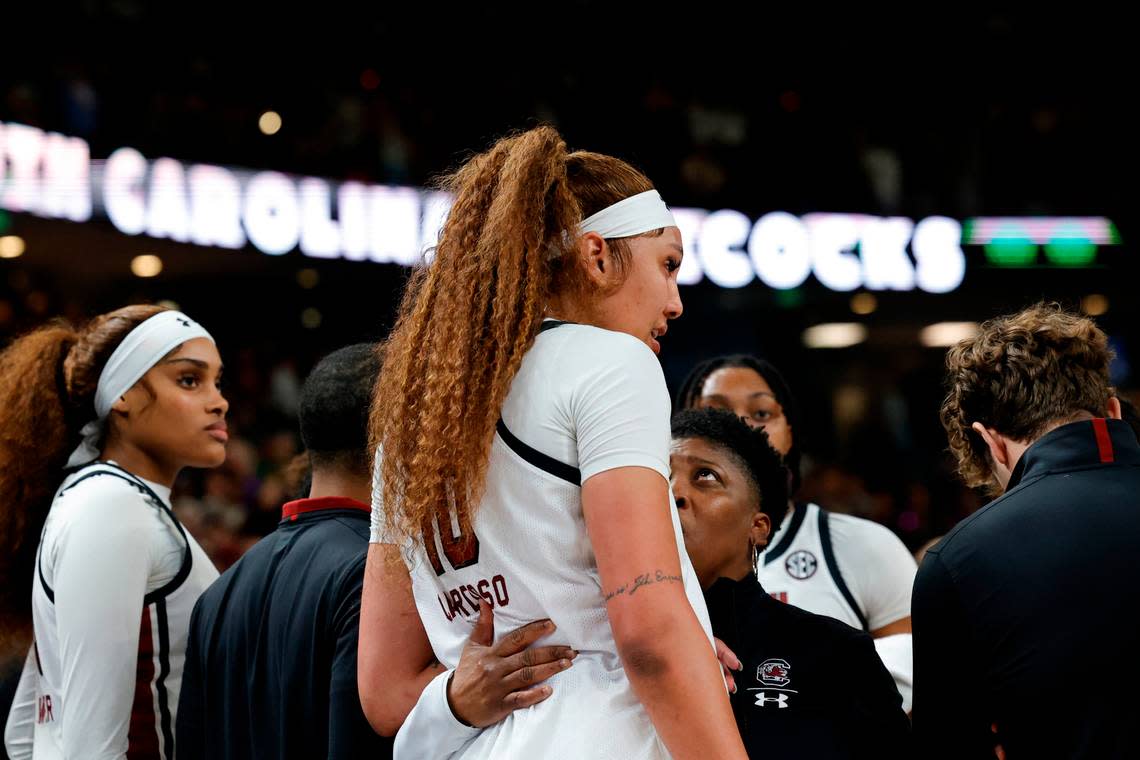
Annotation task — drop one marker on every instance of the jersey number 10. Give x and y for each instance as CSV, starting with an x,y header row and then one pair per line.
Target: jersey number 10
x,y
461,550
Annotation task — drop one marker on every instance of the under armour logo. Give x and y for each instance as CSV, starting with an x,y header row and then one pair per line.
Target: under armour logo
x,y
184,322
763,699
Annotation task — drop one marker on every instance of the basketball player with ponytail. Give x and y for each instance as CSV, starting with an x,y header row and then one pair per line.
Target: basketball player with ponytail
x,y
522,430
97,424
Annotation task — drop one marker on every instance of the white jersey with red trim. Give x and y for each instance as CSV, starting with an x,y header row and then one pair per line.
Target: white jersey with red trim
x,y
116,581
585,401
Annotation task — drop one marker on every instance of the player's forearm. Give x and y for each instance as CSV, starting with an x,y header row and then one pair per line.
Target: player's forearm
x,y
394,658
674,672
387,702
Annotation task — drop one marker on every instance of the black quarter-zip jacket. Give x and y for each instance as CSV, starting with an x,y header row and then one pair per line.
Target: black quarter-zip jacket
x,y
811,686
1027,615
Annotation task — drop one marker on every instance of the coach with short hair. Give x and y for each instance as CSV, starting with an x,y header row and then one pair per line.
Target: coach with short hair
x,y
271,663
1026,614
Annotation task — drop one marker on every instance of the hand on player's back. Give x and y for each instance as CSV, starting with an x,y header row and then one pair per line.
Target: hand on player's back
x,y
492,680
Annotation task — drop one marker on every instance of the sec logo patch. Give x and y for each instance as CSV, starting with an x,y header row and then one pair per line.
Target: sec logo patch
x,y
801,565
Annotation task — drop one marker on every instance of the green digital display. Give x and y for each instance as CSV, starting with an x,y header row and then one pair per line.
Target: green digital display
x,y
1068,242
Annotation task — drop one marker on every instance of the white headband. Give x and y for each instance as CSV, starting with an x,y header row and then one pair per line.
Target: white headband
x,y
633,216
141,349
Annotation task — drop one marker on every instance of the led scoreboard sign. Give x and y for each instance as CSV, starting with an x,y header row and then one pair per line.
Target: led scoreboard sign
x,y
53,175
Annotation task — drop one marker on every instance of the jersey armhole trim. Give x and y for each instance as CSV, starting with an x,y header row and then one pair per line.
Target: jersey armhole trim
x,y
833,568
536,458
43,581
187,557
533,456
799,512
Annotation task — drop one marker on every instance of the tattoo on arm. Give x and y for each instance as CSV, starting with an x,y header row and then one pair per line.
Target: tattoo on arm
x,y
648,579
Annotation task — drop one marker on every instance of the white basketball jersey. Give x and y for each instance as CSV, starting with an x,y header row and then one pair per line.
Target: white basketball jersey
x,y
838,565
585,400
799,567
96,692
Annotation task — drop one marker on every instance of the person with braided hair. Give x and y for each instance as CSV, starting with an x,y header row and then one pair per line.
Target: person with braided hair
x,y
521,423
98,423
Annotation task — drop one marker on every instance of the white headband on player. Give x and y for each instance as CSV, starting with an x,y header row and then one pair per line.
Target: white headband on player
x,y
633,216
141,349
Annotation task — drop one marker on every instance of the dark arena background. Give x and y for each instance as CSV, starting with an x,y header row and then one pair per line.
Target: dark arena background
x,y
856,192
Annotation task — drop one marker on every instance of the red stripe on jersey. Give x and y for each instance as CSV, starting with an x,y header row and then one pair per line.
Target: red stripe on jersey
x,y
142,738
1103,440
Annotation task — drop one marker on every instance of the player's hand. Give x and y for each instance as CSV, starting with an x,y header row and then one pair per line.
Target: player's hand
x,y
493,680
728,663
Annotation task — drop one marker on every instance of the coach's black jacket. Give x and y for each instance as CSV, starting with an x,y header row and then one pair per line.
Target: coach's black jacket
x,y
811,687
1027,614
271,660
